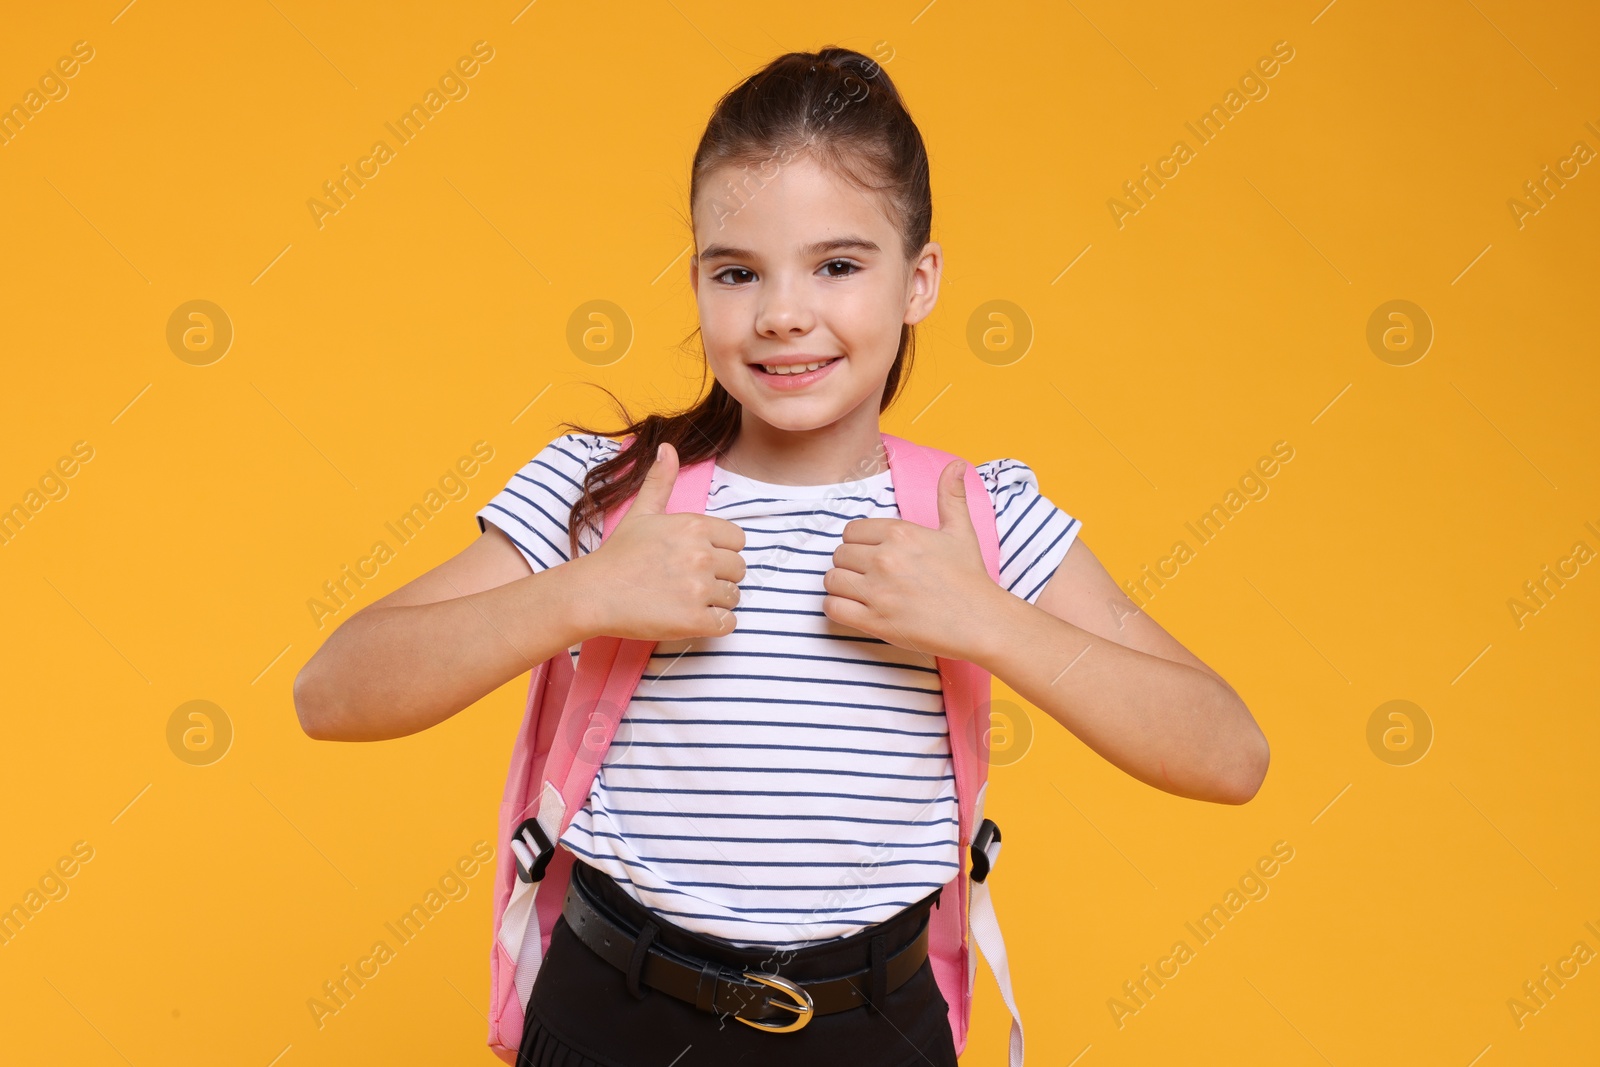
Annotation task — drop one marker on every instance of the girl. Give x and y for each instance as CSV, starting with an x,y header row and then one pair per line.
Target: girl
x,y
781,781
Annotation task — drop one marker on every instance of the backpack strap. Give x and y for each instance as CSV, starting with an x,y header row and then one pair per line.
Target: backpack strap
x,y
608,671
985,926
916,471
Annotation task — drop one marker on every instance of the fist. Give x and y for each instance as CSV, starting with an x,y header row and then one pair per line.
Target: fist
x,y
666,577
918,588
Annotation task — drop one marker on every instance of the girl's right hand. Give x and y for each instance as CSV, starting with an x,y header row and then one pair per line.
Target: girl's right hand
x,y
662,577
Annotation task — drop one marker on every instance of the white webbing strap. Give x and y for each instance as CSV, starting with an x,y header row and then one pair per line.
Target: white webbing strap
x,y
986,932
984,928
519,925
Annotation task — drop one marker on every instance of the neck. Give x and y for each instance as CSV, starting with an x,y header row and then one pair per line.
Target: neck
x,y
823,456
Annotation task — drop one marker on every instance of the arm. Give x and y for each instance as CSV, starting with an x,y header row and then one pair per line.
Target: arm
x,y
441,642
1087,656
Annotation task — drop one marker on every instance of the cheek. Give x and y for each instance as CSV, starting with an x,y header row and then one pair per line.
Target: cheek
x,y
870,325
730,371
721,340
721,329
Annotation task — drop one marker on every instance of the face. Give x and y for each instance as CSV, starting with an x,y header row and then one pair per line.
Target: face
x,y
804,268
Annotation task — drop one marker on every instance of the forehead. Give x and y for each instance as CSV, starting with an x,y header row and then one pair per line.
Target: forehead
x,y
802,204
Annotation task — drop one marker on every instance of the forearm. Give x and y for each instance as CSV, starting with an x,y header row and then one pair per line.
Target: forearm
x,y
1165,723
392,671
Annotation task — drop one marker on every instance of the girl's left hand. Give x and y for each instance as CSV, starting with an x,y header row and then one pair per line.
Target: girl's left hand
x,y
920,589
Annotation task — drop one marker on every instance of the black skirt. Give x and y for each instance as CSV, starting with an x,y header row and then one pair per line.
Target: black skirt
x,y
581,1014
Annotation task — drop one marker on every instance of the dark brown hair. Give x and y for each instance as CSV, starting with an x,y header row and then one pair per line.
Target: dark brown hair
x,y
840,106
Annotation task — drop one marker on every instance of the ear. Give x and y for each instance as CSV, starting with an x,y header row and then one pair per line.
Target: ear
x,y
923,284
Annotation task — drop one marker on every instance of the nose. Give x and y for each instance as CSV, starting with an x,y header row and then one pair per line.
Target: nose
x,y
785,310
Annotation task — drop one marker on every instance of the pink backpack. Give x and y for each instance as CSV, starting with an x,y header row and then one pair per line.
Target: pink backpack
x,y
573,714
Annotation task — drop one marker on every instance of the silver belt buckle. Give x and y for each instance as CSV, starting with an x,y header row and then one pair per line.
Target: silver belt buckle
x,y
802,1006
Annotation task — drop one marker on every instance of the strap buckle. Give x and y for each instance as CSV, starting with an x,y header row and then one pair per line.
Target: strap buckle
x,y
985,849
802,1005
524,840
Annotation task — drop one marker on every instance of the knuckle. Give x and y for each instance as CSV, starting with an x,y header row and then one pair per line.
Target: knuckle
x,y
733,529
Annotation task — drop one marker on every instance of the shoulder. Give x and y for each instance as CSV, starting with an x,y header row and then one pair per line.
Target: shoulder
x,y
1034,532
1017,496
1007,479
582,450
562,465
1008,471
534,508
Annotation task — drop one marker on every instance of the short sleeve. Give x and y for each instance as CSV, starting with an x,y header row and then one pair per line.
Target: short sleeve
x,y
1034,533
535,507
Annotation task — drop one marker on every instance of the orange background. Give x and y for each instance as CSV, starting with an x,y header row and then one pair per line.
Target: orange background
x,y
1167,355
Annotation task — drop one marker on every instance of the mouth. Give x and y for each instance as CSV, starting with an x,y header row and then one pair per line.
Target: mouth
x,y
790,377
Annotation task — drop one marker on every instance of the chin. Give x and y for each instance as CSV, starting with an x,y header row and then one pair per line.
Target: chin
x,y
794,419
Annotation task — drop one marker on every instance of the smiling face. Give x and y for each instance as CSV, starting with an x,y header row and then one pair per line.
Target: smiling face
x,y
807,268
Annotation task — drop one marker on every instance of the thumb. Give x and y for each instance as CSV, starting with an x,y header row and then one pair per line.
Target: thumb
x,y
953,514
658,482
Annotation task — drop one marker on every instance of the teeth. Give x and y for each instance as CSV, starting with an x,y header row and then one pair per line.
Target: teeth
x,y
797,368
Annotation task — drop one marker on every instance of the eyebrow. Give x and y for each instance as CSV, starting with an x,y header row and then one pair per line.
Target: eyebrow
x,y
816,248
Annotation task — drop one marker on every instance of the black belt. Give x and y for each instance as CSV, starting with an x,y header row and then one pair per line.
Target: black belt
x,y
714,987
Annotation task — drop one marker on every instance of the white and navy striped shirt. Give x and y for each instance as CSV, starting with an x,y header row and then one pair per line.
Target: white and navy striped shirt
x,y
792,780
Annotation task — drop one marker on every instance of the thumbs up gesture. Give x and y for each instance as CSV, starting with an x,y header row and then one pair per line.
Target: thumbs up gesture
x,y
665,577
917,588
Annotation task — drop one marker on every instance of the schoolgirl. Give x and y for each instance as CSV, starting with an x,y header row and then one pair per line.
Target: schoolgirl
x,y
780,788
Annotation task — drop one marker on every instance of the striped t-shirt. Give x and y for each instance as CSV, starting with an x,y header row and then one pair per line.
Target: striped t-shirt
x,y
792,780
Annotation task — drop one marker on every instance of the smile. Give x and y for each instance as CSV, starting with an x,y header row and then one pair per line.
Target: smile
x,y
795,376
